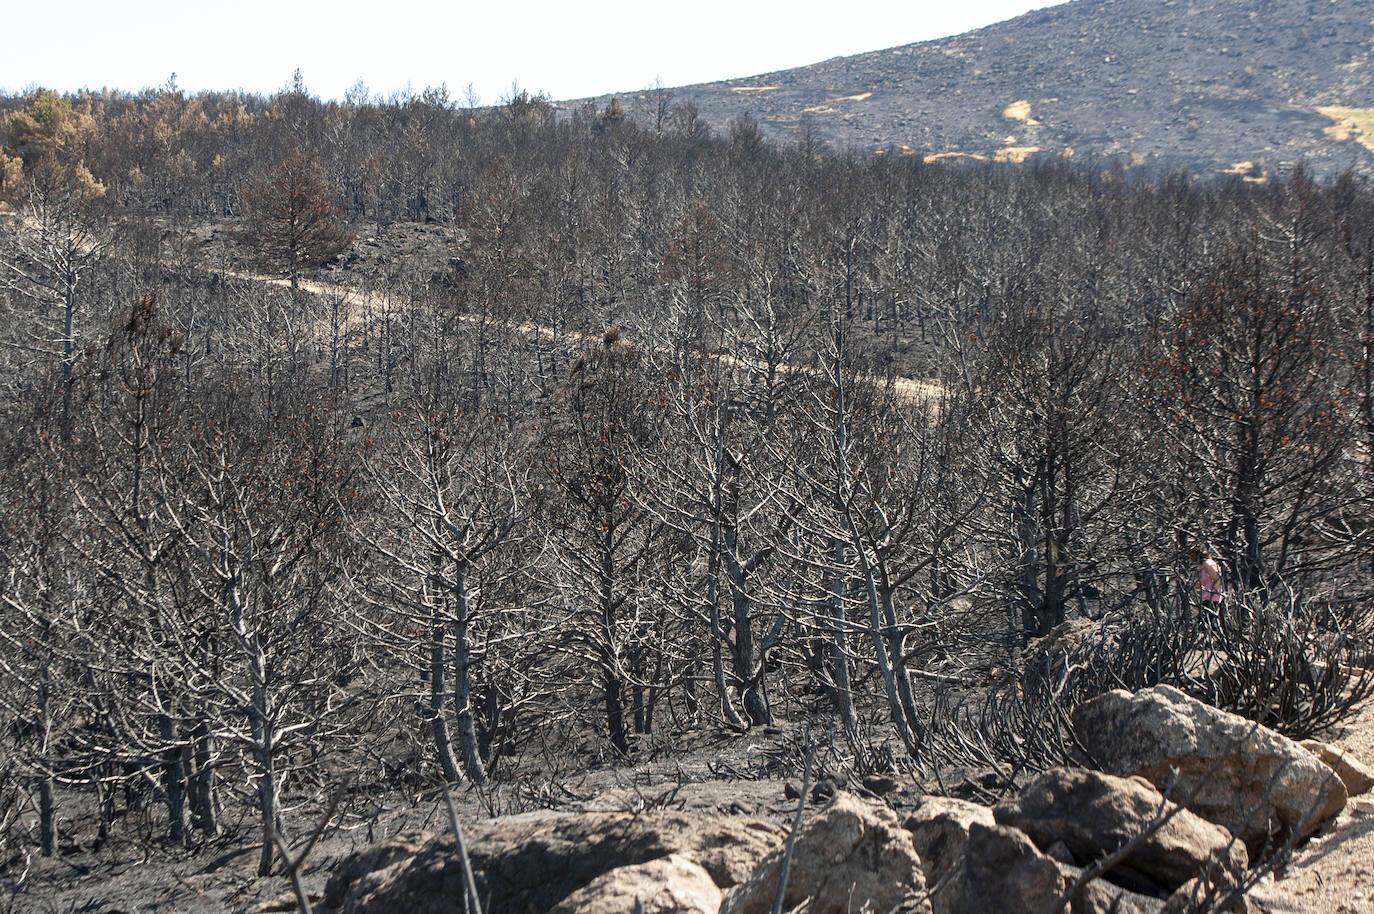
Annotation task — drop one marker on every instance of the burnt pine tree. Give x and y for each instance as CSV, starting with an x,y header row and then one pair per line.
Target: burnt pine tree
x,y
293,218
605,540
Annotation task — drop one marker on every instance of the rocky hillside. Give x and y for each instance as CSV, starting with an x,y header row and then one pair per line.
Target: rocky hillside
x,y
1168,805
1245,87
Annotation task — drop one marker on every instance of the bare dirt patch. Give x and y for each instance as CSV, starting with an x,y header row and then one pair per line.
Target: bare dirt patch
x,y
1350,124
1015,154
1334,872
1020,111
828,106
946,156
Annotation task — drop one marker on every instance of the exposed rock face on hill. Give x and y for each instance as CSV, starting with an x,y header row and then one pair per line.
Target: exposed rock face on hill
x,y
1245,87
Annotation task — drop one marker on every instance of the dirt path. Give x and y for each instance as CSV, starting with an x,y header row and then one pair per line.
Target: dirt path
x,y
1334,873
352,297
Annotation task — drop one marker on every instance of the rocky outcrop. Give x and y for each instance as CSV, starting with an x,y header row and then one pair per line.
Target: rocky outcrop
x,y
668,885
349,875
1357,777
1094,814
1230,771
851,854
1001,870
939,829
1027,853
532,862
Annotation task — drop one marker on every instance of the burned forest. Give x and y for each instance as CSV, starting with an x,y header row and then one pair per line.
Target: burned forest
x,y
354,452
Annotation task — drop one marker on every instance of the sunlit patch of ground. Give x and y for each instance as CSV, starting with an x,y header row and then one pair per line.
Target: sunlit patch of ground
x,y
1249,172
1350,124
1331,873
944,156
826,107
1020,110
754,88
1014,154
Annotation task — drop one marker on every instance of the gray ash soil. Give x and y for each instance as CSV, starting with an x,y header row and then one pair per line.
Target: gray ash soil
x,y
722,774
1200,86
714,773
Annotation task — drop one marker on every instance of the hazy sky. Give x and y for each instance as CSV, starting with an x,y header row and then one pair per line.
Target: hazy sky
x,y
566,49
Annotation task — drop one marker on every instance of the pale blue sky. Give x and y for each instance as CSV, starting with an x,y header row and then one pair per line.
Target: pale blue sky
x,y
568,50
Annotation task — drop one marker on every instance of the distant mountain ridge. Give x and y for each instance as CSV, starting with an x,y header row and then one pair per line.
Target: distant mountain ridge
x,y
1210,87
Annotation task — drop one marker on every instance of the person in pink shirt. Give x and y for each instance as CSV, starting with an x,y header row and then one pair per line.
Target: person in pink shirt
x,y
1209,577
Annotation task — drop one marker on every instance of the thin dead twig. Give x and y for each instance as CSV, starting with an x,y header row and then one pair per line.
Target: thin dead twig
x,y
796,824
469,880
294,863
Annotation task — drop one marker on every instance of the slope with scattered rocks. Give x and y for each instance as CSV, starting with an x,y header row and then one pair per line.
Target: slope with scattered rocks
x,y
1114,843
1211,87
679,840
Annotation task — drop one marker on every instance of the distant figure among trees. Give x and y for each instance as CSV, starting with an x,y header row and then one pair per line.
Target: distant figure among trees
x,y
1210,586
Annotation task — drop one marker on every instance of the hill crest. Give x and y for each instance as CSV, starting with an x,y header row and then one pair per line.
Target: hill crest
x,y
1210,87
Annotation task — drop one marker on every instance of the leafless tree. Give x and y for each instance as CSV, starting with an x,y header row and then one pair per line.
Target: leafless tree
x,y
455,486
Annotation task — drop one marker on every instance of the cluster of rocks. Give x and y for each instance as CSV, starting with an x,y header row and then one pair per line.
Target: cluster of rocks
x,y
1183,798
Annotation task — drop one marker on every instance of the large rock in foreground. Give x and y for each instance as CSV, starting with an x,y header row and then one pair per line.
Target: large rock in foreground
x,y
851,856
529,863
1094,814
1002,871
1230,771
668,885
357,873
939,830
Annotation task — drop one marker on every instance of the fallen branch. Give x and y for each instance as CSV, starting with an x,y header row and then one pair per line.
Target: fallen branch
x,y
796,824
469,880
